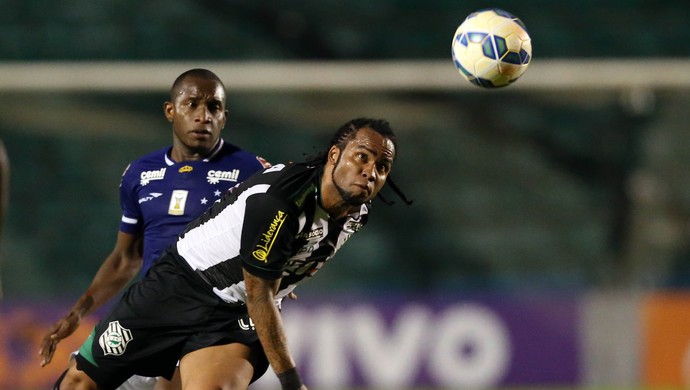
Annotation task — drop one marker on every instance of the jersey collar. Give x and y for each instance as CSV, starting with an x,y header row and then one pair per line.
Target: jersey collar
x,y
214,152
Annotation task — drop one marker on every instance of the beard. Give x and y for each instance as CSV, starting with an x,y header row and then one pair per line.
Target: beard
x,y
347,196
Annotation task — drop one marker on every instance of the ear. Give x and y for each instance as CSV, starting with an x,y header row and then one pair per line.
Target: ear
x,y
169,111
333,154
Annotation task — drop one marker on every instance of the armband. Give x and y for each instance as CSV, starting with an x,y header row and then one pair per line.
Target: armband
x,y
290,379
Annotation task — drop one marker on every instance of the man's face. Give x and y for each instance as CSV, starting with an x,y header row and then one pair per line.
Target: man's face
x,y
362,167
197,113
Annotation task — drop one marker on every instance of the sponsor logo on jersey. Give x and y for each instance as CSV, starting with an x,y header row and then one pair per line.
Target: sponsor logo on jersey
x,y
311,234
151,196
301,267
178,200
114,339
353,226
185,169
246,324
215,177
305,249
147,176
263,248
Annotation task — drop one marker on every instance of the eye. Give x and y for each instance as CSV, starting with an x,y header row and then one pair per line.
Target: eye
x,y
382,167
214,107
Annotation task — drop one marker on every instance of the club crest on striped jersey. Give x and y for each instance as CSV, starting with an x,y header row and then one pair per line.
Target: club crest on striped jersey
x,y
114,339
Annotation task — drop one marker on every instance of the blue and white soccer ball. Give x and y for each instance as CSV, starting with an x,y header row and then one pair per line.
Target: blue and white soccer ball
x,y
492,48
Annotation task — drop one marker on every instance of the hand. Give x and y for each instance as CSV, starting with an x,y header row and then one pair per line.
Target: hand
x,y
60,330
292,296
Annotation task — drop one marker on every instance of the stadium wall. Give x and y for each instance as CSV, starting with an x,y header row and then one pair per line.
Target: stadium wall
x,y
624,340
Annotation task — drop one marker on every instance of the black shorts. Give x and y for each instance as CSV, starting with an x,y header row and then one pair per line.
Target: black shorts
x,y
160,318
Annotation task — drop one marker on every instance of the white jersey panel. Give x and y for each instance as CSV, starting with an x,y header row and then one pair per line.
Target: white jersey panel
x,y
219,238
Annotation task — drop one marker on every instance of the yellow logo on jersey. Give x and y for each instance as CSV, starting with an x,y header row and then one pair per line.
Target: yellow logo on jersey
x,y
268,238
186,168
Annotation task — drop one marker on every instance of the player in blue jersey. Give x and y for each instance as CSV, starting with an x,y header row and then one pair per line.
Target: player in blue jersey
x,y
163,191
213,299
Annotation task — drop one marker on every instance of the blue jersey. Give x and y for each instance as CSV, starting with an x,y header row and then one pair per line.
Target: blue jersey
x,y
159,197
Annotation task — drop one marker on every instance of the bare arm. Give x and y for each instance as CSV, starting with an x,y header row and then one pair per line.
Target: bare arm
x,y
120,267
268,322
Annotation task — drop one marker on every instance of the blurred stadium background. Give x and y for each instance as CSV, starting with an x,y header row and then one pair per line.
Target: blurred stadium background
x,y
548,243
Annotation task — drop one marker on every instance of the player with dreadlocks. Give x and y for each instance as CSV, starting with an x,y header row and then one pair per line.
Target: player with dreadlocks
x,y
340,139
213,299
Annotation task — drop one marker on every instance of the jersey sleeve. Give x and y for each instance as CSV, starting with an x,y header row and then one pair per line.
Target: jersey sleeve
x,y
267,237
130,222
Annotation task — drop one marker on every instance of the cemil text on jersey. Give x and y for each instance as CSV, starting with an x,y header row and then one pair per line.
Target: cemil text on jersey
x,y
147,176
214,176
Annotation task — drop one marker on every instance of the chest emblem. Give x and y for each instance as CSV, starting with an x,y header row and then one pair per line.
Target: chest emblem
x,y
178,200
185,169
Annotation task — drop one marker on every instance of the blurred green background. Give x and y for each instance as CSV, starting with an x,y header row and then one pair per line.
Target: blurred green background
x,y
514,189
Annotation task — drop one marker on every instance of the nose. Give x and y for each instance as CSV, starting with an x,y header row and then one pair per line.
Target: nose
x,y
369,171
203,114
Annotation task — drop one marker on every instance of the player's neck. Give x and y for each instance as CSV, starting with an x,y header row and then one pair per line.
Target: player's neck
x,y
178,155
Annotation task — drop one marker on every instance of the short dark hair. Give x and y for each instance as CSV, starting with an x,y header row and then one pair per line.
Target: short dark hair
x,y
196,72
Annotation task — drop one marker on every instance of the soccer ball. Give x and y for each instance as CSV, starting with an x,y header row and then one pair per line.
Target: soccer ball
x,y
492,48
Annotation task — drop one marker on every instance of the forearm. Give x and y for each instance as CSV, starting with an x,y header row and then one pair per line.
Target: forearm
x,y
268,322
269,327
113,275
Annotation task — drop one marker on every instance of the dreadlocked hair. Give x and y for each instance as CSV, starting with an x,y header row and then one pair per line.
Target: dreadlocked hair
x,y
346,133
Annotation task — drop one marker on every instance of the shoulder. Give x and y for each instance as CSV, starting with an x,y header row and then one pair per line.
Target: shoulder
x,y
155,158
153,161
286,178
235,153
292,180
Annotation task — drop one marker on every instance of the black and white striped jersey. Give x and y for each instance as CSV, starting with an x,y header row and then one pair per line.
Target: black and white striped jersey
x,y
273,226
